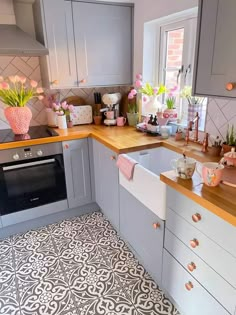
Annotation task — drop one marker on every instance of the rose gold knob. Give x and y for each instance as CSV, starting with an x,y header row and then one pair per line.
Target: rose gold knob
x,y
56,82
112,158
230,86
82,81
196,217
156,225
66,146
189,286
191,267
194,243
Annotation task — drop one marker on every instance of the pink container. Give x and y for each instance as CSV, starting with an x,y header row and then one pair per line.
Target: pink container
x,y
19,119
120,121
212,173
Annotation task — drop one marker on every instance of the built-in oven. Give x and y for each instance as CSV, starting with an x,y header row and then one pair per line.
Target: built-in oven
x,y
31,177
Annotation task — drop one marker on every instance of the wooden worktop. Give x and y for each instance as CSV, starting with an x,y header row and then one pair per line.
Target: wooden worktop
x,y
220,200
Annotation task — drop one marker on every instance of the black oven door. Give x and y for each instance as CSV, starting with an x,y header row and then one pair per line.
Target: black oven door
x,y
31,183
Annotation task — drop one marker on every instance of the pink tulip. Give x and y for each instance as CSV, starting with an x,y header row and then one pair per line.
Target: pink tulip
x,y
14,78
64,105
1,78
61,112
5,86
133,92
144,98
138,83
39,90
71,108
56,107
139,76
22,79
40,97
33,83
155,90
130,96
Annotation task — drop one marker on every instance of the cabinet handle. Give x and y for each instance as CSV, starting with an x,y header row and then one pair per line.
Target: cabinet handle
x,y
189,286
196,217
113,157
230,86
66,146
194,243
156,225
191,267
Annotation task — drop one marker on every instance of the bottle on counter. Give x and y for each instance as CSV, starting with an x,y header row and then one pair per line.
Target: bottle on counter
x,y
154,124
149,124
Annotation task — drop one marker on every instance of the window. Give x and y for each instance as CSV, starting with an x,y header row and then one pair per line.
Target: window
x,y
175,38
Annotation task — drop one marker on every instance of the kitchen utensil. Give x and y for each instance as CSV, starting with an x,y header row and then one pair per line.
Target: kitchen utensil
x,y
184,167
120,121
212,173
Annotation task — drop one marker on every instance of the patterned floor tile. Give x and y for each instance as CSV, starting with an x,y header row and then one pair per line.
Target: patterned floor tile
x,y
78,266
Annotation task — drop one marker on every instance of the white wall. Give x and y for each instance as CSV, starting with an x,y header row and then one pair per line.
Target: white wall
x,y
147,10
7,15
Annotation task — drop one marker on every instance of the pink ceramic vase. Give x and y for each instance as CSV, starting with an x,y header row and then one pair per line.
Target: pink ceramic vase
x,y
19,119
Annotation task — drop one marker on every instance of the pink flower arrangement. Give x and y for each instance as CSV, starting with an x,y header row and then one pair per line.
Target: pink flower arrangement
x,y
63,108
16,92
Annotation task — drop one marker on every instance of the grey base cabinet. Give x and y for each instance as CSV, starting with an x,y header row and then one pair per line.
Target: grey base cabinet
x,y
137,226
77,170
106,182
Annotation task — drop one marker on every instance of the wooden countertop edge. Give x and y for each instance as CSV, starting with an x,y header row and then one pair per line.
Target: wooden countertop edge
x,y
222,213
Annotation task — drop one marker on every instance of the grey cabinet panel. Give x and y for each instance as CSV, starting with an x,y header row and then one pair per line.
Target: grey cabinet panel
x,y
103,39
77,170
215,55
136,225
54,27
106,182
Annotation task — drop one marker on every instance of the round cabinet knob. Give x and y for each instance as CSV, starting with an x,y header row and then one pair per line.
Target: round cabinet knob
x,y
112,158
191,267
66,146
230,86
196,217
194,243
189,286
16,157
156,225
55,82
39,153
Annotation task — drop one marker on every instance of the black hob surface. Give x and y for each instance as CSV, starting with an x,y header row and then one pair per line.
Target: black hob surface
x,y
35,132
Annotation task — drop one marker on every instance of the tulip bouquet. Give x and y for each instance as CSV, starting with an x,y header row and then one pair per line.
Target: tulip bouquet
x,y
16,91
63,108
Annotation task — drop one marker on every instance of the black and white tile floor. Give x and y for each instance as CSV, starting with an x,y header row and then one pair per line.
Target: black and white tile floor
x,y
76,267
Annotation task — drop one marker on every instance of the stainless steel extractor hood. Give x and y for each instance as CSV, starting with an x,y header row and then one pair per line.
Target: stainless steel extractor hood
x,y
15,42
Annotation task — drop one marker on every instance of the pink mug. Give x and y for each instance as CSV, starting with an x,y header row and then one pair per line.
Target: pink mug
x,y
109,114
120,121
212,173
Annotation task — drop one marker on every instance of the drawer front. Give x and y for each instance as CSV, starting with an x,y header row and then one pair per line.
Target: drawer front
x,y
209,279
194,302
214,255
210,224
136,226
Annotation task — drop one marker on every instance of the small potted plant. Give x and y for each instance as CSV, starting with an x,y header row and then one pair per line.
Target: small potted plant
x,y
62,110
230,139
132,114
97,117
171,112
216,146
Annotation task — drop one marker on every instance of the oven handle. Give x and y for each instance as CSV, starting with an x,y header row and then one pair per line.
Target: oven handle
x,y
14,167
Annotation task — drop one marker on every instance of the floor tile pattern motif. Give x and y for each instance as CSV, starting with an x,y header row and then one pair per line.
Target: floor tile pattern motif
x,y
78,266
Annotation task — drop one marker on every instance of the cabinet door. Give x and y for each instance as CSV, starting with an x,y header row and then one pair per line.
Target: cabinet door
x,y
216,50
103,38
136,225
106,182
78,183
59,39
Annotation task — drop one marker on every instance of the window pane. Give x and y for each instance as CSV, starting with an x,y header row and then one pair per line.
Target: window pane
x,y
175,41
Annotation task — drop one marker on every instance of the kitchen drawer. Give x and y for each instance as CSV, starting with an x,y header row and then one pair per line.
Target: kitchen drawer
x,y
210,224
208,278
214,255
197,301
136,226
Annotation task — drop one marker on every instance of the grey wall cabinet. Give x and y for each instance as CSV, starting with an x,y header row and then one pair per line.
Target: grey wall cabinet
x,y
54,28
137,226
216,48
103,39
106,182
78,183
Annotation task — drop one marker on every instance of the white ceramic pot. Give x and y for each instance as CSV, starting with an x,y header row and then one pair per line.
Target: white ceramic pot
x,y
152,105
51,117
61,121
